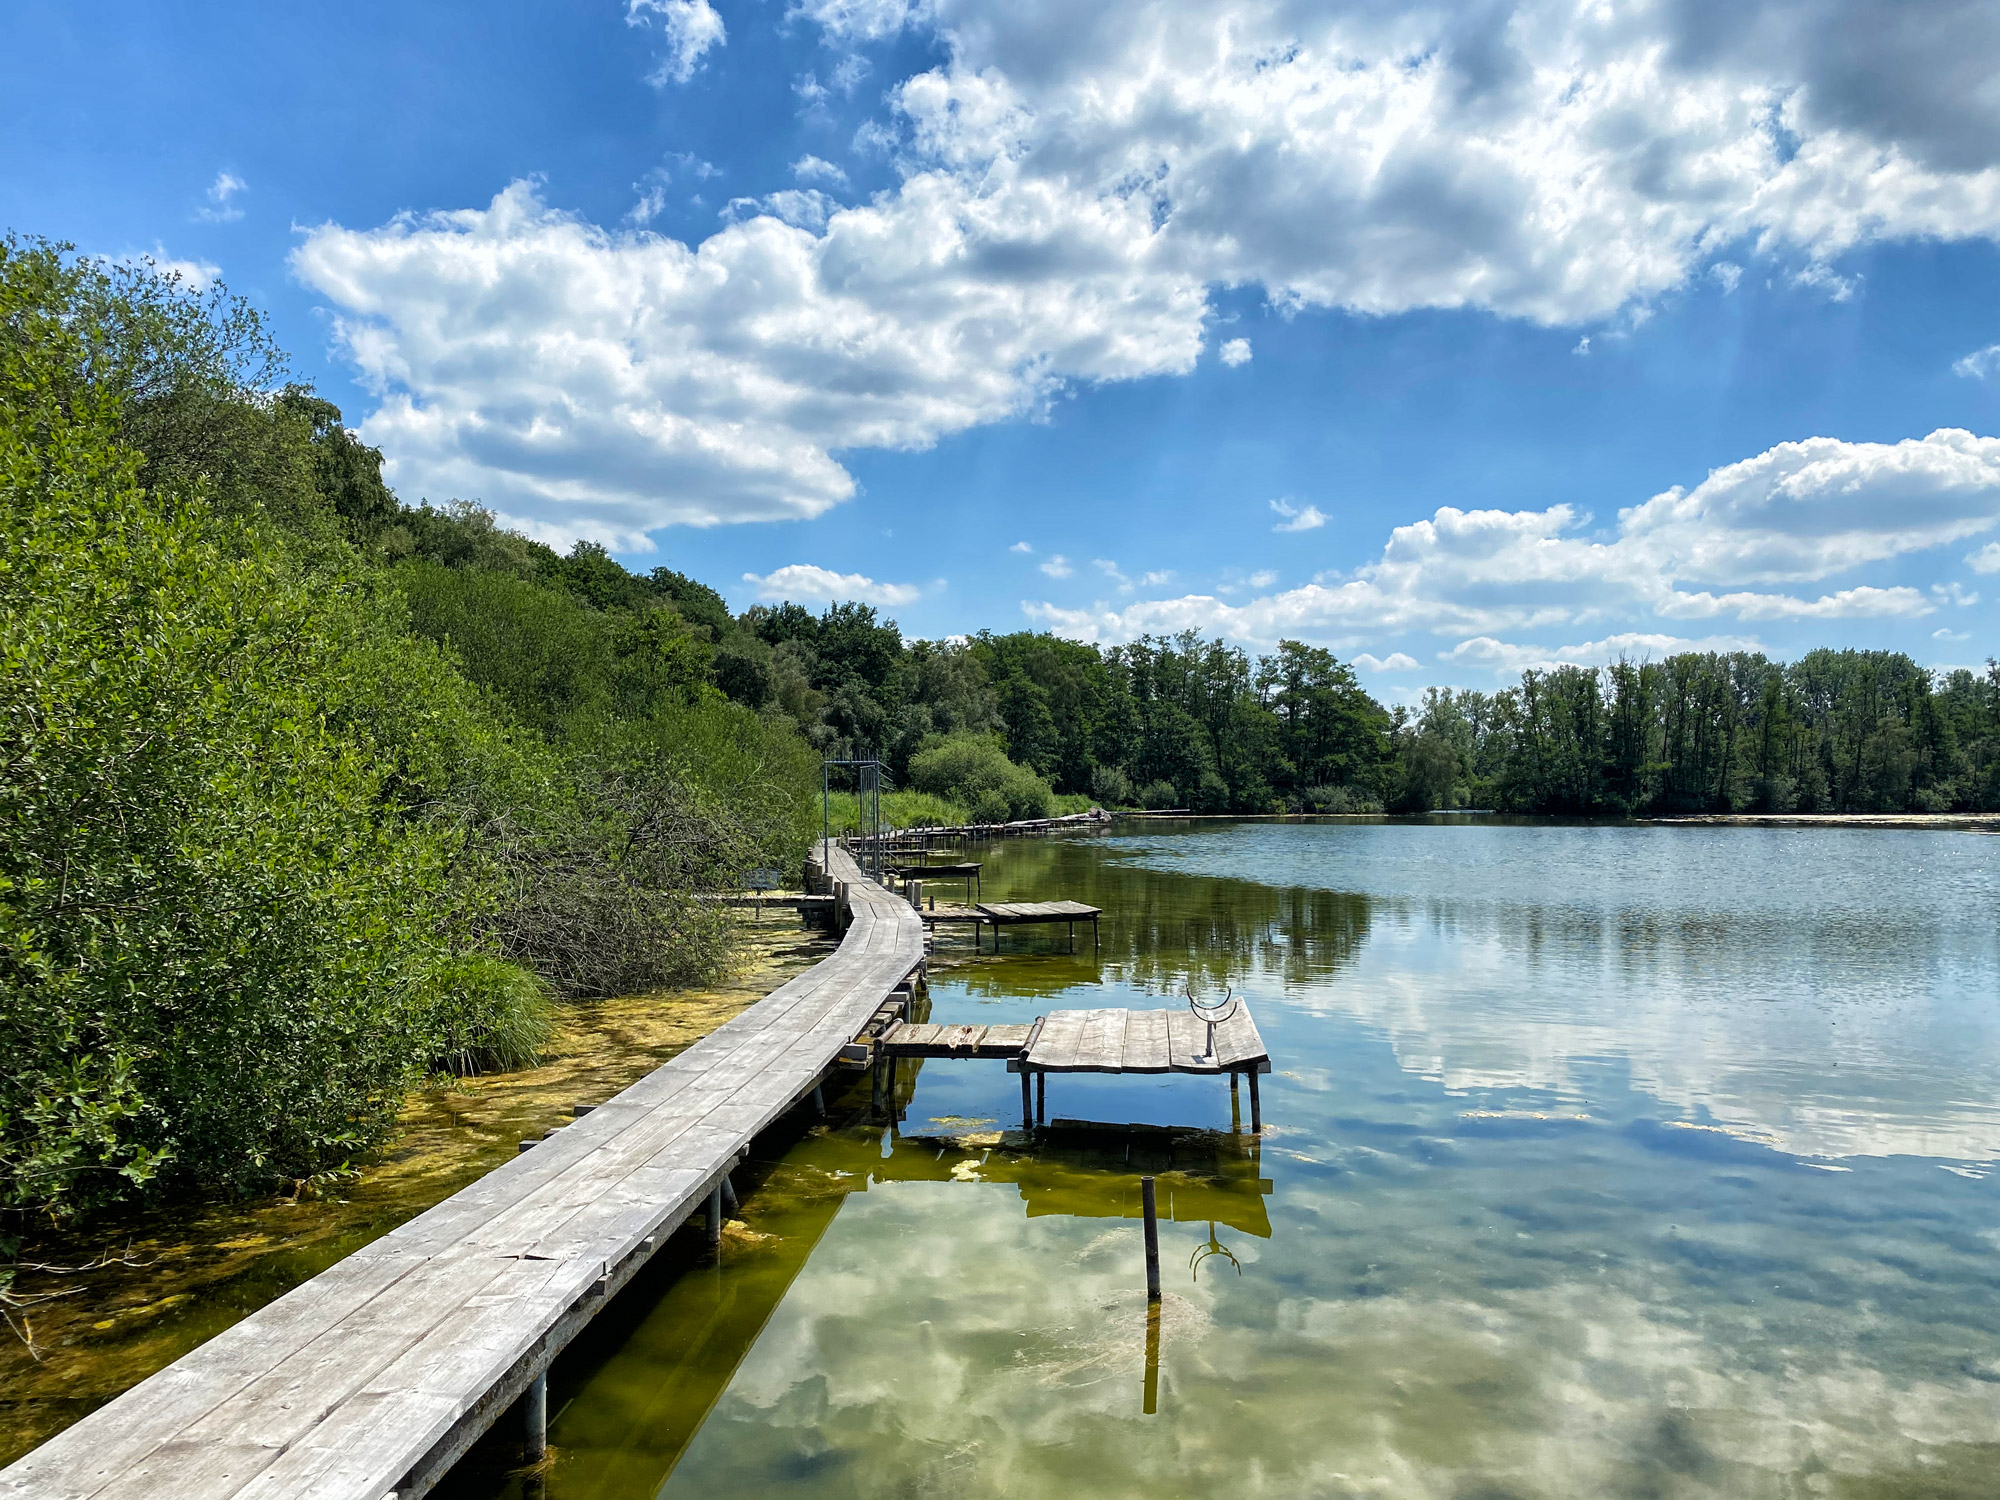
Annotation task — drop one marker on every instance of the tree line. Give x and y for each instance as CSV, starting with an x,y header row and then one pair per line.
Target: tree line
x,y
1194,723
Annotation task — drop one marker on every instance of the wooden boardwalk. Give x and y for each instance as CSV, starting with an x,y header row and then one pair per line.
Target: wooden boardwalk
x,y
371,1379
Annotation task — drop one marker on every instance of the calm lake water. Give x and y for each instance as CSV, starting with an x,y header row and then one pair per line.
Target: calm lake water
x,y
1599,1161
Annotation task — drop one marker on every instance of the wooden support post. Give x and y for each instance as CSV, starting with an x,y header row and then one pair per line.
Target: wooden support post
x,y
1146,1205
819,1102
731,1204
1256,1109
1027,1103
535,1414
1235,1106
715,1218
877,1101
1041,1097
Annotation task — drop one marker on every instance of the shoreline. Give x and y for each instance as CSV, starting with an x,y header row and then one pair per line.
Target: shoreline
x,y
1988,822
1973,822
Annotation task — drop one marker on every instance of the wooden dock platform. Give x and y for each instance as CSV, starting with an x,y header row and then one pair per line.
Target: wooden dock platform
x,y
1098,1041
1144,1041
795,900
371,1379
1014,913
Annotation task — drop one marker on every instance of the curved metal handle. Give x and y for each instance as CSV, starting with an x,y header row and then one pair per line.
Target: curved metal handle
x,y
1222,1010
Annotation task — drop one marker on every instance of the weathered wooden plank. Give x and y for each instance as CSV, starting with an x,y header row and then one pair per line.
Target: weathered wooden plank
x,y
1101,1047
1146,1042
1055,1048
1237,1041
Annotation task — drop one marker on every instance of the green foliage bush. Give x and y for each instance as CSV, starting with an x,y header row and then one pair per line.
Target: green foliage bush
x,y
974,771
223,955
899,810
306,794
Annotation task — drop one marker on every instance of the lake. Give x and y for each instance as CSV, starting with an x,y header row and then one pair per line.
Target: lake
x,y
1599,1161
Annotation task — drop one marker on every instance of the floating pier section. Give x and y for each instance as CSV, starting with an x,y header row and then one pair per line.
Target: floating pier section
x,y
1097,1041
370,1380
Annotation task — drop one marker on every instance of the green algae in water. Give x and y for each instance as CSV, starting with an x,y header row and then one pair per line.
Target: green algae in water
x,y
1600,1162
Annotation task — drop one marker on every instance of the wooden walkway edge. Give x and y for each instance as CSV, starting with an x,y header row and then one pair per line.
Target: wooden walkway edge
x,y
373,1378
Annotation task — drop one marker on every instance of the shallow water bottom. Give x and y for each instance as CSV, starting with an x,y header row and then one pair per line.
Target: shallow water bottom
x,y
1599,1162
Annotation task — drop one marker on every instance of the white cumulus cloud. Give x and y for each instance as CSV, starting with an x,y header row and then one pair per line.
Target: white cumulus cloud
x,y
1235,352
1986,559
1980,363
1058,566
1295,519
1796,513
817,169
220,209
194,274
1073,186
1506,659
608,384
805,581
691,27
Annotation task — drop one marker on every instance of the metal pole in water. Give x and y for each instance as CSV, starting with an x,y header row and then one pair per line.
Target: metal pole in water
x,y
1152,1239
1027,1103
730,1202
1041,1098
715,1218
1256,1109
819,1102
536,1412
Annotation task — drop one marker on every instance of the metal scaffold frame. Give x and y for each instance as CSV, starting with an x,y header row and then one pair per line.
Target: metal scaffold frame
x,y
869,832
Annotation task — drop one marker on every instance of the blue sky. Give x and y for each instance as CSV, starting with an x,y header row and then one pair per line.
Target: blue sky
x,y
1457,339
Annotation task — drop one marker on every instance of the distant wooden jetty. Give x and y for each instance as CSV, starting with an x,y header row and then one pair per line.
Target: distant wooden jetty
x,y
1000,914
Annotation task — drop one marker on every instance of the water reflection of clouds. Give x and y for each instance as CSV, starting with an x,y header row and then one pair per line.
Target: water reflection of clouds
x,y
1828,1077
1828,990
1003,1357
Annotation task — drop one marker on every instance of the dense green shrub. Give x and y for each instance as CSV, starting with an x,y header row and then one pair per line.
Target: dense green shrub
x,y
223,954
974,771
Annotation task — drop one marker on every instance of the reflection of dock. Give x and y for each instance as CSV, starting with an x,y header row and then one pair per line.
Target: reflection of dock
x,y
639,1400
1091,1171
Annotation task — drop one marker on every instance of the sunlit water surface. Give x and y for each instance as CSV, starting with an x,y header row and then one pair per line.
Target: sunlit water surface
x,y
1599,1161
